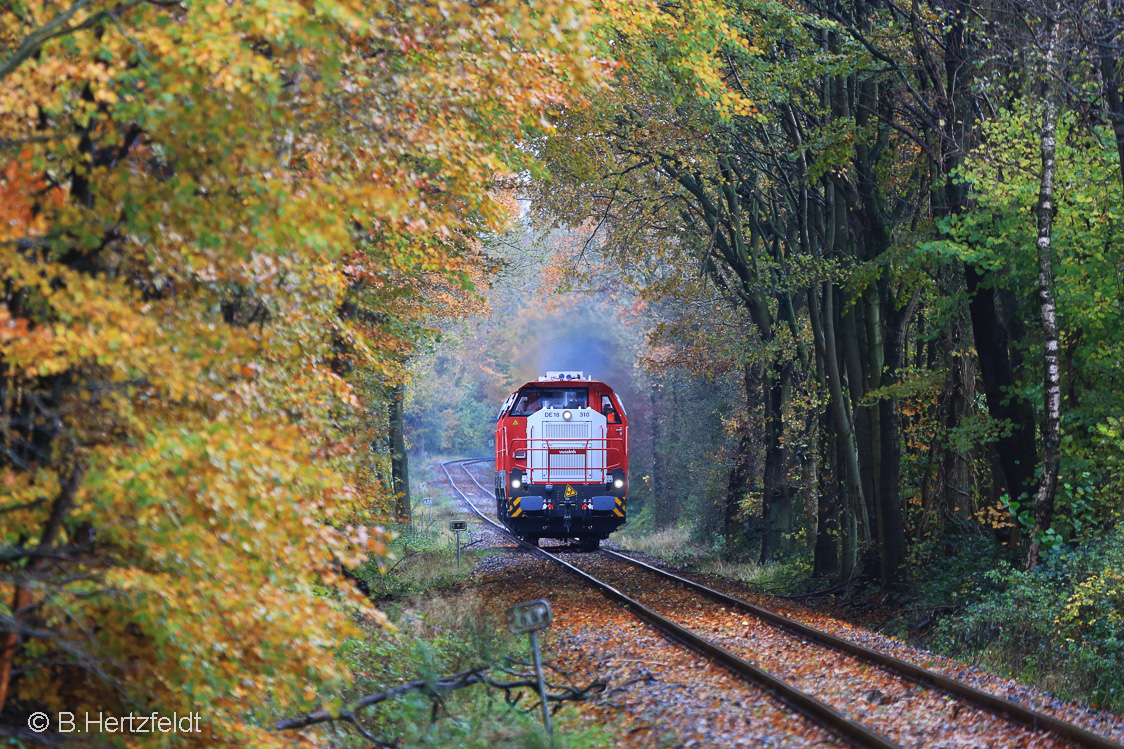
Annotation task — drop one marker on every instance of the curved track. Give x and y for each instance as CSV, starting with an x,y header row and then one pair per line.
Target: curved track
x,y
807,704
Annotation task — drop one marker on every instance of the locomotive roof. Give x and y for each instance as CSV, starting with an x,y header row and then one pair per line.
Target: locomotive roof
x,y
577,378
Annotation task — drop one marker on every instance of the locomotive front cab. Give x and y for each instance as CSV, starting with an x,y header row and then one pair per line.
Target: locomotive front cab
x,y
562,459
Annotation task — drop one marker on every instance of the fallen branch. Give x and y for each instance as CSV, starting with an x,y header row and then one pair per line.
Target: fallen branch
x,y
646,677
403,559
521,662
930,620
436,690
448,683
841,588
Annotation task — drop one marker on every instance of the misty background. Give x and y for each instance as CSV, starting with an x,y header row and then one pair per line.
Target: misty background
x,y
543,312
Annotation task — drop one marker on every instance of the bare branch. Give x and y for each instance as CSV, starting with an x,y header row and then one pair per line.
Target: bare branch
x,y
55,27
436,689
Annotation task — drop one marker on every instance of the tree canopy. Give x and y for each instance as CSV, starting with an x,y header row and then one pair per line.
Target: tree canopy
x,y
876,246
224,226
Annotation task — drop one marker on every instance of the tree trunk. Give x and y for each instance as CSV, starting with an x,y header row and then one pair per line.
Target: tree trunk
x,y
857,386
892,533
1052,382
826,555
953,497
1016,442
855,520
955,476
657,461
673,481
875,342
22,597
11,641
777,495
740,483
1109,69
810,480
738,486
399,461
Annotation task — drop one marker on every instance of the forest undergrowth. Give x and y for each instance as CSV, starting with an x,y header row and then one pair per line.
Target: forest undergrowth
x,y
444,623
1059,627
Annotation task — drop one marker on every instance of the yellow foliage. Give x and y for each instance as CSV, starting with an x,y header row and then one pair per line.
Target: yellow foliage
x,y
1098,600
223,227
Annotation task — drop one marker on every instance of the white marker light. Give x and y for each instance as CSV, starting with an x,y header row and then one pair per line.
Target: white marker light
x,y
567,415
619,483
516,483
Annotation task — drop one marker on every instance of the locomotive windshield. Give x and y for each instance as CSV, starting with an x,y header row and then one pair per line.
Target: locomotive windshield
x,y
530,400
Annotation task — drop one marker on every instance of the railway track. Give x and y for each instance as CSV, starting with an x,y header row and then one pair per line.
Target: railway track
x,y
630,583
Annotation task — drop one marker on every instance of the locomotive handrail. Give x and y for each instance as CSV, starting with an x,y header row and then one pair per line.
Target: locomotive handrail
x,y
585,440
613,454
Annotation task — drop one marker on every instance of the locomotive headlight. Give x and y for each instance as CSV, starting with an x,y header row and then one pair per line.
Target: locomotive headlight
x,y
567,415
516,483
619,483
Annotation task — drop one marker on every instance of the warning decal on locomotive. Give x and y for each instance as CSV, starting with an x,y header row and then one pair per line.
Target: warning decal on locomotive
x,y
562,459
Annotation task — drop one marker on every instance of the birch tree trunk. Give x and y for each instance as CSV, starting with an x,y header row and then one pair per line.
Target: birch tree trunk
x,y
1051,430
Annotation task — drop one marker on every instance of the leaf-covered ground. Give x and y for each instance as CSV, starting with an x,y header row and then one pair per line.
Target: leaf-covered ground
x,y
664,695
911,715
1099,721
659,693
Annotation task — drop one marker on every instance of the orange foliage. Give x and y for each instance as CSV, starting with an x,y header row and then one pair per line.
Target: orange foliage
x,y
224,227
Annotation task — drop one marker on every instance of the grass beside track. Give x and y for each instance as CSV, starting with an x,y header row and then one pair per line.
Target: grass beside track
x,y
444,623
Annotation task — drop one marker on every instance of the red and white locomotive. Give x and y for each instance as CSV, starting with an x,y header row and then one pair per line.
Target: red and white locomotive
x,y
562,460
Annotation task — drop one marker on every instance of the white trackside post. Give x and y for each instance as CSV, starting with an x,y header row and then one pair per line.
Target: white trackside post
x,y
533,617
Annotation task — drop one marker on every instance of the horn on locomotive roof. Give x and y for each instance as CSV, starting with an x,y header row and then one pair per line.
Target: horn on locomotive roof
x,y
564,376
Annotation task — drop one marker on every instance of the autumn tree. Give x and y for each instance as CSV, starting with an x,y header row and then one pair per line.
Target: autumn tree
x,y
817,164
212,216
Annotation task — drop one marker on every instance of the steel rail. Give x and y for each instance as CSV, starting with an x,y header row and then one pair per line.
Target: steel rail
x,y
819,712
905,669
